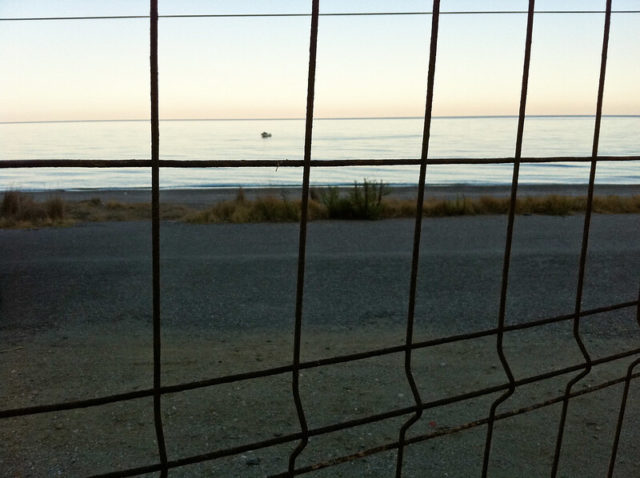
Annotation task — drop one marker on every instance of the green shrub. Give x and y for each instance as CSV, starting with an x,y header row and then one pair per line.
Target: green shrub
x,y
366,199
363,201
338,207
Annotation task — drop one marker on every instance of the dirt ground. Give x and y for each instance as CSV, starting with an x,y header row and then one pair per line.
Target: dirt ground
x,y
121,435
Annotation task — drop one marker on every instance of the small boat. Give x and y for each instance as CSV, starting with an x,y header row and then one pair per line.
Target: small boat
x,y
264,134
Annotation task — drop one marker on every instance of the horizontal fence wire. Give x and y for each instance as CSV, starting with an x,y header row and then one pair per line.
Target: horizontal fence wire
x,y
290,163
327,14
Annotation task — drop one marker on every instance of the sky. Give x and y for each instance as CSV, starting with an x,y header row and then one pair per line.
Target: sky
x,y
368,66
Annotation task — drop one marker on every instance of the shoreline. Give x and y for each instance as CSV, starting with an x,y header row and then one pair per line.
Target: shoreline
x,y
204,197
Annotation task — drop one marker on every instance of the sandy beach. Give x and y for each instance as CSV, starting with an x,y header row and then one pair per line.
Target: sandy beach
x,y
75,323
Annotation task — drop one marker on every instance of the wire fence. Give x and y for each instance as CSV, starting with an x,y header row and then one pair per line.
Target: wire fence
x,y
412,414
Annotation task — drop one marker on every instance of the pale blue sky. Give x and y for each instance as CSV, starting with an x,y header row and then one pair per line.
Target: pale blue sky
x,y
257,67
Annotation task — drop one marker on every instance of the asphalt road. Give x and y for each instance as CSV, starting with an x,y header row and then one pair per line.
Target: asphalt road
x,y
244,276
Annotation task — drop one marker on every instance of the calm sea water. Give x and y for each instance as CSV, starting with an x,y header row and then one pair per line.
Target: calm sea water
x,y
332,139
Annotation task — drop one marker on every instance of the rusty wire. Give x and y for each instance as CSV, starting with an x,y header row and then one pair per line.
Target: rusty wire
x,y
326,14
459,428
623,402
396,413
620,422
415,260
155,234
584,247
315,432
295,367
508,244
289,163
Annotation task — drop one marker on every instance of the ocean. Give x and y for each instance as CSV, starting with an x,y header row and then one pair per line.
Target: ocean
x,y
379,138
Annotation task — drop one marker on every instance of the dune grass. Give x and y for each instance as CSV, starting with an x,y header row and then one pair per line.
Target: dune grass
x,y
263,209
367,201
21,210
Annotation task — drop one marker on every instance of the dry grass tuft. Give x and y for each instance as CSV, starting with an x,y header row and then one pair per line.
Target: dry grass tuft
x,y
20,210
242,210
616,204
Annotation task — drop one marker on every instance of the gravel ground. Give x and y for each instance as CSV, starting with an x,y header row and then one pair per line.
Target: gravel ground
x,y
75,323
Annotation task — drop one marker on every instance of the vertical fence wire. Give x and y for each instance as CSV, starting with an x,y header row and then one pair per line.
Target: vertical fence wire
x,y
509,240
623,403
302,243
416,238
585,244
155,232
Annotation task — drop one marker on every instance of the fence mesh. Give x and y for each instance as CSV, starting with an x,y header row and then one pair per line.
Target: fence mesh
x,y
575,377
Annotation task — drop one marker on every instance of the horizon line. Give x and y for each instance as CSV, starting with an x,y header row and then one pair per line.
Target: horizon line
x,y
321,118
